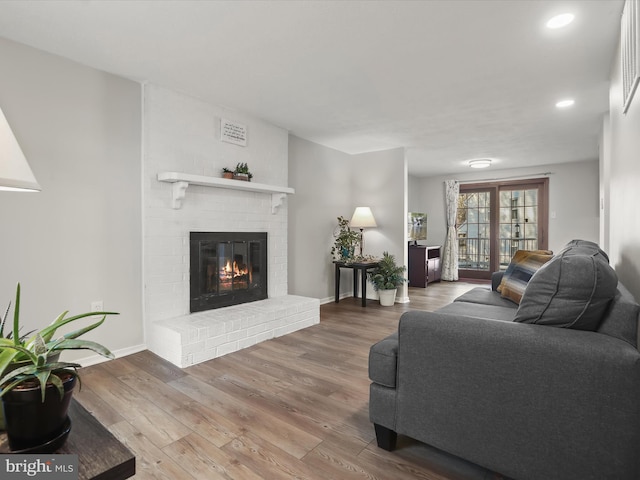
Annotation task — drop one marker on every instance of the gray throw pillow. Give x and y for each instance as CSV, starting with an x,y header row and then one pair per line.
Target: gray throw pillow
x,y
571,291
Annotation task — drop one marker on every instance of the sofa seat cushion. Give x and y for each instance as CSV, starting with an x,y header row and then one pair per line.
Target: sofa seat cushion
x,y
383,361
477,310
572,291
485,296
523,265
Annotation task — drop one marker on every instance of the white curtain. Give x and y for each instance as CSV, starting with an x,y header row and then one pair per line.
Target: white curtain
x,y
450,254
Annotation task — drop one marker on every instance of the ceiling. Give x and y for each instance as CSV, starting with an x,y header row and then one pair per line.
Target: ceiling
x,y
449,80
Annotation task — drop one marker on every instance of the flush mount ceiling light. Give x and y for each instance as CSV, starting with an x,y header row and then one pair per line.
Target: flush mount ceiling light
x,y
560,21
479,163
565,103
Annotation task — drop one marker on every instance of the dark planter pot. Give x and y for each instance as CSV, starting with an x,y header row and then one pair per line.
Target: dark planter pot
x,y
36,426
14,365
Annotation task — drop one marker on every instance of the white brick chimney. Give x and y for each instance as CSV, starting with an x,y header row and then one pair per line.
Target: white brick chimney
x,y
182,134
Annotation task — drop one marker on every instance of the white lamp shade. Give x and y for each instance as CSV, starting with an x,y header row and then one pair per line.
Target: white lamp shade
x,y
15,173
362,218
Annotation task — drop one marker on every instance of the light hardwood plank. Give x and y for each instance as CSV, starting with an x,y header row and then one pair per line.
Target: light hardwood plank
x,y
291,407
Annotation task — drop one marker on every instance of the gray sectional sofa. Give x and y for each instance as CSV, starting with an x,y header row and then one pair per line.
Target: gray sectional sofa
x,y
547,389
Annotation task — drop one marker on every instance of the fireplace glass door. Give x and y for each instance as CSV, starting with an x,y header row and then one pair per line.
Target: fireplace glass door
x,y
227,269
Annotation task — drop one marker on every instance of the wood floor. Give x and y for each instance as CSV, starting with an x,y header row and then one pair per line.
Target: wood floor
x,y
291,407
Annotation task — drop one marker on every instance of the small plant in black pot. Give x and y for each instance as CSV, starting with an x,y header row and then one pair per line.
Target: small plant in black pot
x,y
36,387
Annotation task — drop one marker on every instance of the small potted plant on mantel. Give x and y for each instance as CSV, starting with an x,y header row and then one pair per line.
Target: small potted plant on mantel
x,y
36,387
386,278
227,173
242,172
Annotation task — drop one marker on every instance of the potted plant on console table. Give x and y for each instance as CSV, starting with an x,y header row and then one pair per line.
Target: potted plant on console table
x,y
36,387
345,241
386,278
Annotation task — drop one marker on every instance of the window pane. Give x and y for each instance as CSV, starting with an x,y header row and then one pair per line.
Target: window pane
x,y
505,198
531,197
531,230
531,214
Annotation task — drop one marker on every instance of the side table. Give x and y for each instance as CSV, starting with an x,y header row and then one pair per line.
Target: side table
x,y
360,267
100,454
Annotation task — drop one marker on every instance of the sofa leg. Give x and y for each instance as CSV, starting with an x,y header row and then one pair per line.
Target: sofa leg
x,y
386,437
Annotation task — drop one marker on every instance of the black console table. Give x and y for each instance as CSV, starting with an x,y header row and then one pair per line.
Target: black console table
x,y
362,268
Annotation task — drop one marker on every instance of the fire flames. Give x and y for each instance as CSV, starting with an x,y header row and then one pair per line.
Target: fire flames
x,y
235,270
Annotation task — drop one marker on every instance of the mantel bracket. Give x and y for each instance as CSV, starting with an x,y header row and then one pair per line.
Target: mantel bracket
x,y
179,192
277,199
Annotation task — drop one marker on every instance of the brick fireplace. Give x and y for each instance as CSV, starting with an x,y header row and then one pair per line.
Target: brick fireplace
x,y
181,134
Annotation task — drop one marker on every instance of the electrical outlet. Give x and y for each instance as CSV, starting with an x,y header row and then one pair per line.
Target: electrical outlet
x,y
97,306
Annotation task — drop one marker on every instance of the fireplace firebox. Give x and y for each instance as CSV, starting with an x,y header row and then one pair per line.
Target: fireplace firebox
x,y
227,268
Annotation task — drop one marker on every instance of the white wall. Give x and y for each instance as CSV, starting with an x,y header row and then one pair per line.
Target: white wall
x,y
329,184
573,196
79,240
605,183
379,181
624,183
321,177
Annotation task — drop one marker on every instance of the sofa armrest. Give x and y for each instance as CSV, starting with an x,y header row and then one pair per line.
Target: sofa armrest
x,y
464,380
496,278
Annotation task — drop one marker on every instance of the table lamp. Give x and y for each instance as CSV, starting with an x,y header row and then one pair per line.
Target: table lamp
x,y
362,218
15,173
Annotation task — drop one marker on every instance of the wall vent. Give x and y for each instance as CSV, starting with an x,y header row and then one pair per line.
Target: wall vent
x,y
630,51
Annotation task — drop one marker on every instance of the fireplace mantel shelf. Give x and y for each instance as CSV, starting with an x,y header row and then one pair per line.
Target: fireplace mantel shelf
x,y
181,181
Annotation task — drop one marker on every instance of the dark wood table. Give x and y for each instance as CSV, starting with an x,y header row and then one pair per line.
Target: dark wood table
x,y
101,456
362,268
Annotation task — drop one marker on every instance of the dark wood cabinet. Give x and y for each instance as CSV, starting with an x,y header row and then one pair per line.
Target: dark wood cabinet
x,y
424,265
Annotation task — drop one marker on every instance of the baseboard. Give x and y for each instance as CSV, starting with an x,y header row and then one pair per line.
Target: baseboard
x,y
333,299
123,352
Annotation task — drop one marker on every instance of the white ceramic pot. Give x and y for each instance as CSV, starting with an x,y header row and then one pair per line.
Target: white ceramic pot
x,y
387,297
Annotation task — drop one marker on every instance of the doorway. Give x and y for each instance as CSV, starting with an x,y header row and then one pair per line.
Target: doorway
x,y
494,220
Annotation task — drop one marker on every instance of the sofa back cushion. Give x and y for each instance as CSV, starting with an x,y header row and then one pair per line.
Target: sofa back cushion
x,y
573,290
578,247
622,317
520,270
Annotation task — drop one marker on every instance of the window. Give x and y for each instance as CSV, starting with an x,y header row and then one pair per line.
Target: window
x,y
494,220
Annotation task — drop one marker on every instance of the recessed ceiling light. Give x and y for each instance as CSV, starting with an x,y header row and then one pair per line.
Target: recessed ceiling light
x,y
560,21
479,163
565,103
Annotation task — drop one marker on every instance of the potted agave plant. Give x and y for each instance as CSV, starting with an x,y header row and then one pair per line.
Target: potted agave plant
x,y
36,387
386,278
